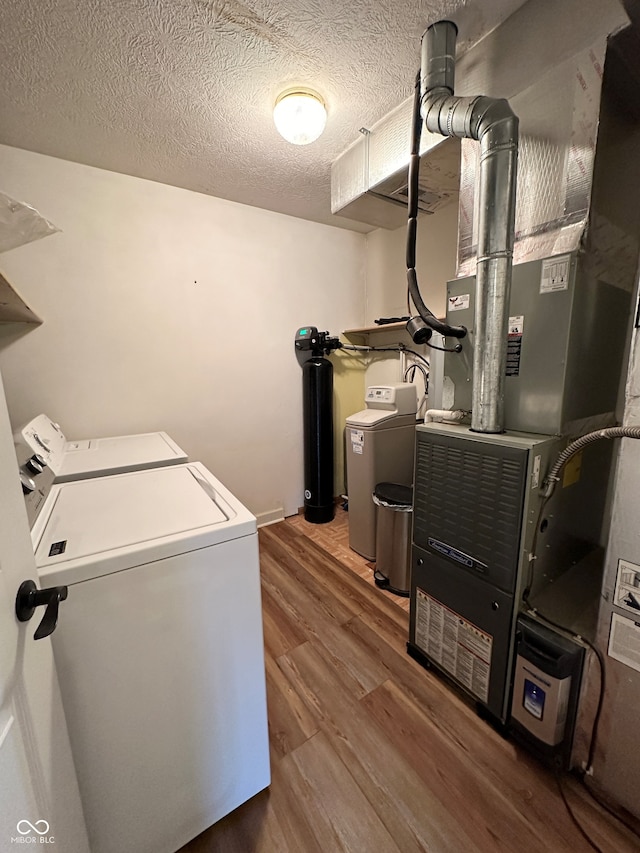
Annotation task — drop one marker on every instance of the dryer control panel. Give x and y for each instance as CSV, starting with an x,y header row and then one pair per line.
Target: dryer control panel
x,y
36,477
45,439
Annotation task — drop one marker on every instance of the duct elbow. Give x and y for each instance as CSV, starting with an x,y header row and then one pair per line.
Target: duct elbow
x,y
494,123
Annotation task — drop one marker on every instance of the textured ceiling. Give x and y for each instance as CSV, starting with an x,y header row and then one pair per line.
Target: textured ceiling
x,y
181,91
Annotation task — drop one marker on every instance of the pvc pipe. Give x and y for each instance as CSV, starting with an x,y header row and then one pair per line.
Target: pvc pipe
x,y
447,416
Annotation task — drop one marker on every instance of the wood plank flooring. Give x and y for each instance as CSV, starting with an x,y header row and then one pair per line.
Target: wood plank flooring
x,y
370,752
334,538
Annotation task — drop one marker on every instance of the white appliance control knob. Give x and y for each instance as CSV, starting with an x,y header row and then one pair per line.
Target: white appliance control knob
x,y
36,464
28,485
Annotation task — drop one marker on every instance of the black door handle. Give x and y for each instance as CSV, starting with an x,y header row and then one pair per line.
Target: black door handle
x,y
29,597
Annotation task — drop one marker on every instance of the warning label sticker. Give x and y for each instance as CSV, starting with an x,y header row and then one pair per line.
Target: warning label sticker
x,y
357,440
627,592
514,345
555,274
458,646
624,641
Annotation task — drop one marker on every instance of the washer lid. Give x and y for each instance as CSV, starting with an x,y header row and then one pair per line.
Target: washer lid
x,y
93,527
99,456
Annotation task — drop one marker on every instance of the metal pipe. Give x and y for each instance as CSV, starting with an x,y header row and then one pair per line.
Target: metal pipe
x,y
492,122
439,57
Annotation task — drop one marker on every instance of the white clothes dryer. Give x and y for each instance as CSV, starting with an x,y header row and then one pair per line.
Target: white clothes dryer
x,y
94,457
159,651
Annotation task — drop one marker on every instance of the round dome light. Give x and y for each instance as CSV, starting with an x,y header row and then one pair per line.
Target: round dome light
x,y
300,116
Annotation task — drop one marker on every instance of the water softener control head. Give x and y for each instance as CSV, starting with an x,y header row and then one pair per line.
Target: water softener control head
x,y
306,338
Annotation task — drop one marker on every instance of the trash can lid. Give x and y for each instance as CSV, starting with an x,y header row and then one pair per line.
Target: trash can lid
x,y
394,493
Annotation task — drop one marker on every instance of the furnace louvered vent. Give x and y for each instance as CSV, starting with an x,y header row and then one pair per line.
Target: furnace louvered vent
x,y
469,497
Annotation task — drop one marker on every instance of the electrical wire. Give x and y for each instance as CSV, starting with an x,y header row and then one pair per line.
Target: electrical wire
x,y
413,367
571,814
581,777
428,317
583,441
425,377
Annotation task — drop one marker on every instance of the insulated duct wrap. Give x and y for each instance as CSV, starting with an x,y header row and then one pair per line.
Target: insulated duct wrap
x,y
548,60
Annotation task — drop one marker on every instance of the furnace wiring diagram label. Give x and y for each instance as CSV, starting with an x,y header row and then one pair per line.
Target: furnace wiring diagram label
x,y
624,641
627,591
555,274
357,441
458,646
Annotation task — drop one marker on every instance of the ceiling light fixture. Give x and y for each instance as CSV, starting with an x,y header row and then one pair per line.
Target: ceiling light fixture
x,y
300,115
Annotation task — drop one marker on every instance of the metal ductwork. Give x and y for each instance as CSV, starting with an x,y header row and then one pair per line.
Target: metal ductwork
x,y
493,124
369,181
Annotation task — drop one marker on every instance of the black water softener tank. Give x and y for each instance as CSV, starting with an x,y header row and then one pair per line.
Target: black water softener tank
x,y
317,413
317,407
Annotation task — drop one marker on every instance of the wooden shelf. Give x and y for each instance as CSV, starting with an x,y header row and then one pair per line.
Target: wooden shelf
x,y
384,327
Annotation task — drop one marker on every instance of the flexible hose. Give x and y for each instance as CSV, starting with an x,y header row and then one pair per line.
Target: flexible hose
x,y
426,315
578,444
554,476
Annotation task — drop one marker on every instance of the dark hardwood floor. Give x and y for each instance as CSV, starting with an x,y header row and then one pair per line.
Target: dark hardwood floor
x,y
370,752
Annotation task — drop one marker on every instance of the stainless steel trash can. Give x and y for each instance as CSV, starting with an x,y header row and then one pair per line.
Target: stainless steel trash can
x,y
394,512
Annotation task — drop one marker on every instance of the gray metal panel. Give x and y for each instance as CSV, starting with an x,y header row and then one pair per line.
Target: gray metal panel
x,y
534,398
596,347
469,593
487,608
573,518
571,349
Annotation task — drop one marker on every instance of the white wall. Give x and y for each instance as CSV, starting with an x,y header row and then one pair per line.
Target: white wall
x,y
166,309
436,254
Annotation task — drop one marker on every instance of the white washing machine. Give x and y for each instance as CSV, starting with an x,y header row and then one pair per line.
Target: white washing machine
x,y
159,650
94,457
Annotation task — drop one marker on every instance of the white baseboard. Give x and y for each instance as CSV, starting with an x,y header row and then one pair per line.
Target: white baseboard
x,y
272,516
